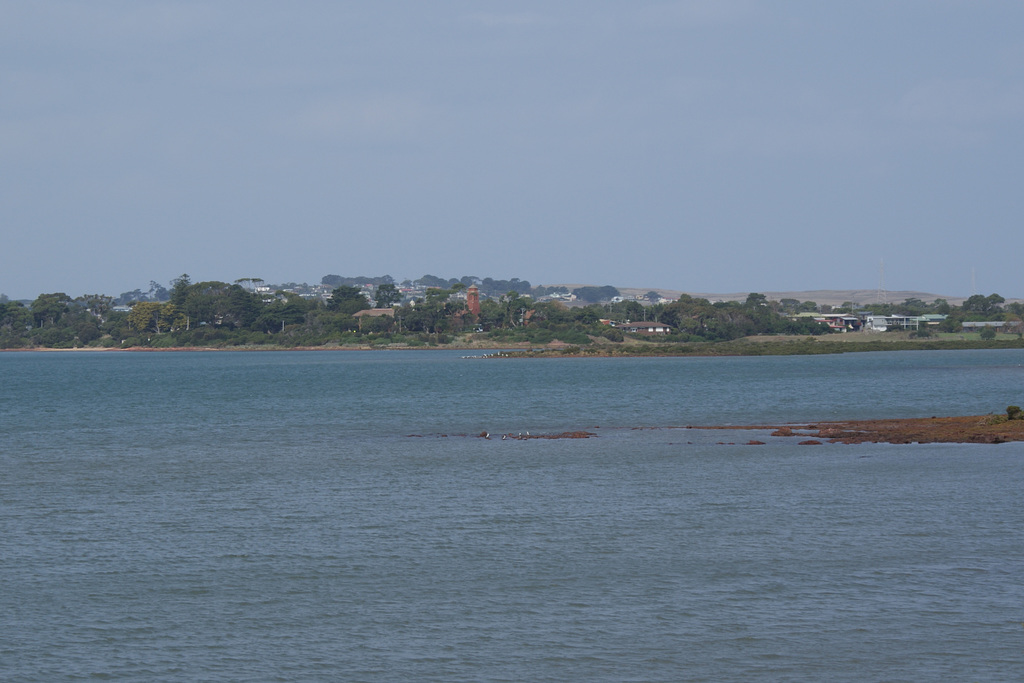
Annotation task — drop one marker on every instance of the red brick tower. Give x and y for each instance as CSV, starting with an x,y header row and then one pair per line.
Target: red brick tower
x,y
473,299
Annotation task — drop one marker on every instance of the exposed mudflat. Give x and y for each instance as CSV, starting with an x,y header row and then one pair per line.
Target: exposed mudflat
x,y
963,429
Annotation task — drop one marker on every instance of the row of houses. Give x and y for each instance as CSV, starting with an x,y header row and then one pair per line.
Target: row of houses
x,y
837,322
854,322
645,328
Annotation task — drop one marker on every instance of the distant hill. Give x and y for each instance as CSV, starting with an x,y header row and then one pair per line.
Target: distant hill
x,y
836,297
831,297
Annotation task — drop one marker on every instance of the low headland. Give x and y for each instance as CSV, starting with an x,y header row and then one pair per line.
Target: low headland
x,y
480,345
485,348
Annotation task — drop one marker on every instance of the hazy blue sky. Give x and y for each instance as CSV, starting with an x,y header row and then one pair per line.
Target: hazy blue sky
x,y
700,146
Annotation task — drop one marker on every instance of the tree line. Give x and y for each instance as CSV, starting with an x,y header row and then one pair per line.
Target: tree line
x,y
214,313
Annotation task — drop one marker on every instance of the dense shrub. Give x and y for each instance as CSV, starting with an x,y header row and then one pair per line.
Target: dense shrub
x,y
574,337
613,334
88,332
163,341
540,336
54,337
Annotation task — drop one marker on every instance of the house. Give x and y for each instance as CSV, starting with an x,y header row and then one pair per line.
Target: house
x,y
881,323
645,328
969,325
839,322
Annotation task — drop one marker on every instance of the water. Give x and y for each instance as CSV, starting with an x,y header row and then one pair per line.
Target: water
x,y
311,516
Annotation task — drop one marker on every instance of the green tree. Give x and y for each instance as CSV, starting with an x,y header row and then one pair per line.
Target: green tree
x,y
432,282
179,289
241,308
515,307
595,294
434,313
15,322
492,315
171,318
789,305
145,316
289,309
208,303
348,300
755,299
983,304
387,295
47,309
157,292
378,324
549,313
87,331
97,305
912,306
14,314
995,302
632,310
588,315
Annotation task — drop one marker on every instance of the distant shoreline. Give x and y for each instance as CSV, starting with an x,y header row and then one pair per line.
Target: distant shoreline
x,y
758,346
177,349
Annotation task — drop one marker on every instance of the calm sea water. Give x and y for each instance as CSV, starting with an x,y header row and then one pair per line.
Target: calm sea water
x,y
333,516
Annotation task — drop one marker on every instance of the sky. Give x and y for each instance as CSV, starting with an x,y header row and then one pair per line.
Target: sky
x,y
703,146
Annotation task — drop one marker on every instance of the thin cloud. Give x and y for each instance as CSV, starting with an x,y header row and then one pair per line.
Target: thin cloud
x,y
513,20
962,102
378,117
100,24
696,12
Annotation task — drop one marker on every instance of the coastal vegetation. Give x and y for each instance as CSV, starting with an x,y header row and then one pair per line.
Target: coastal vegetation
x,y
778,346
377,312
